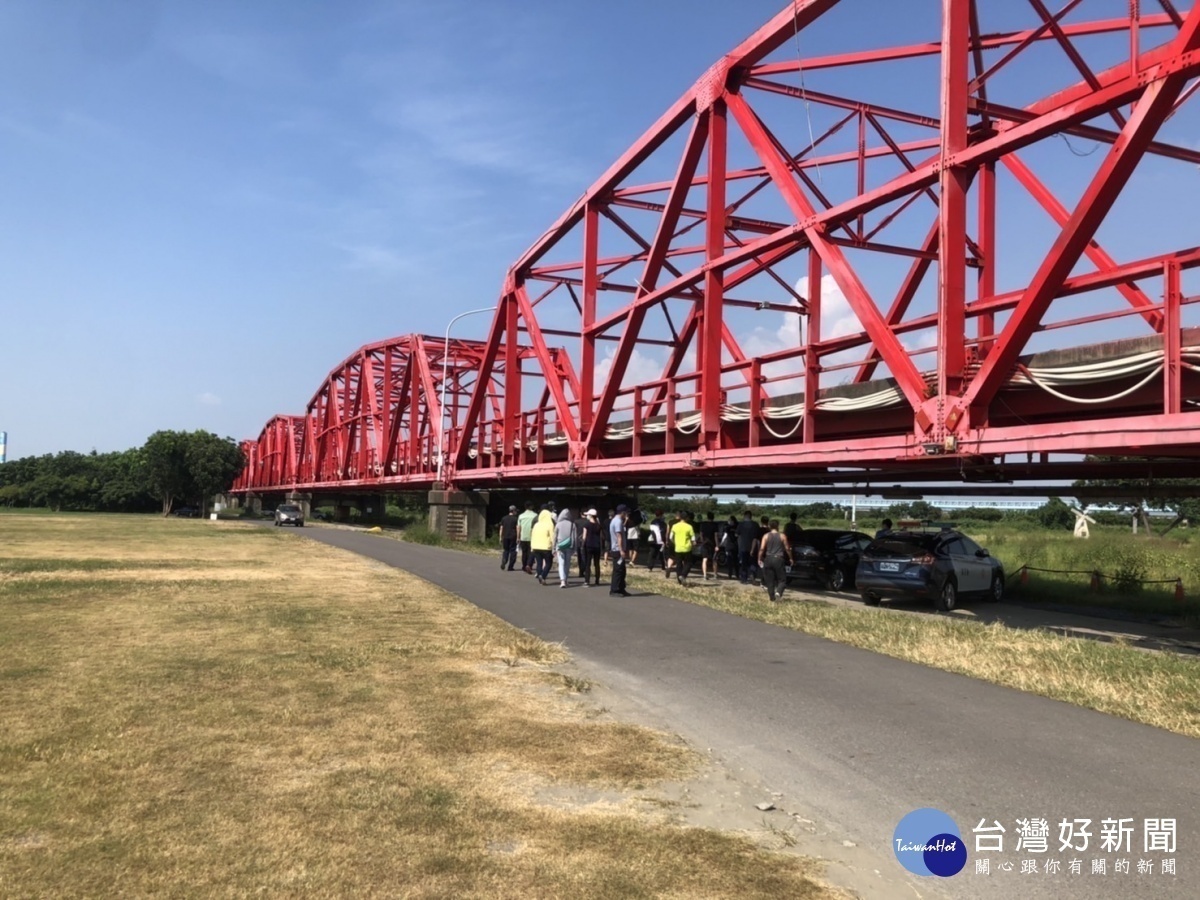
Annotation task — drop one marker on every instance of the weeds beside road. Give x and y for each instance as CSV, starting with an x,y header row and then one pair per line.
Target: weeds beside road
x,y
1159,689
214,708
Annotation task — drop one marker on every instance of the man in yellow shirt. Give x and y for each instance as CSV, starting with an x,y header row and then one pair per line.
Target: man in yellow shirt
x,y
683,538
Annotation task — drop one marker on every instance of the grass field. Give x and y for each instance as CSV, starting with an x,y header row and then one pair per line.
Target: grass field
x,y
191,708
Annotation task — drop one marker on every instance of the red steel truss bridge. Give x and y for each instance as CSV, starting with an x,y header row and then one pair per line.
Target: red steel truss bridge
x,y
964,256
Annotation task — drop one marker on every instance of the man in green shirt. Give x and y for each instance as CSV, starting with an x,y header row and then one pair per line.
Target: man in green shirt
x,y
683,536
524,535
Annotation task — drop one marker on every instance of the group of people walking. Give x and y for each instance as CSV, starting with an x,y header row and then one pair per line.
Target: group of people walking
x,y
549,538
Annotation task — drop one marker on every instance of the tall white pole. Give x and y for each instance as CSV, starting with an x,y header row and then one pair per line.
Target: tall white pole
x,y
441,460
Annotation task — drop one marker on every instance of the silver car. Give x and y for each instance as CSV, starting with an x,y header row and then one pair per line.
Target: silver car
x,y
289,514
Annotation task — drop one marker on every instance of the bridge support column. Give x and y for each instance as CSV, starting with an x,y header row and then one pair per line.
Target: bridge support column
x,y
459,515
254,503
371,508
303,500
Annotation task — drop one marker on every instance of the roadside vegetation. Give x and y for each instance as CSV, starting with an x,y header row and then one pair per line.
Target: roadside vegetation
x,y
186,466
1138,574
1156,688
1159,689
213,708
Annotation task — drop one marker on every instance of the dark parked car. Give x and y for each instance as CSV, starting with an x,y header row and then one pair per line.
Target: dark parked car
x,y
940,565
828,556
187,512
289,514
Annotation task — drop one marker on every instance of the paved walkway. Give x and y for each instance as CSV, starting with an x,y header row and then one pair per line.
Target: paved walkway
x,y
854,741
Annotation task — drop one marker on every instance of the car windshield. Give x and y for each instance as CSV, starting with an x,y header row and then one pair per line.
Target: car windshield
x,y
289,509
904,545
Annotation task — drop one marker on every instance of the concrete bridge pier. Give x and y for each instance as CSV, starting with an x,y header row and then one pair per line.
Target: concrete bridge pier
x,y
301,499
458,515
370,507
254,503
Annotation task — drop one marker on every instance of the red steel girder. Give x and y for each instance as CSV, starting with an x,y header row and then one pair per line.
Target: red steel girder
x,y
676,266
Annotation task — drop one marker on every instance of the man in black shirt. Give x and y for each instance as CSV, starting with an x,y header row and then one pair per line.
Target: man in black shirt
x,y
747,536
508,540
658,542
792,530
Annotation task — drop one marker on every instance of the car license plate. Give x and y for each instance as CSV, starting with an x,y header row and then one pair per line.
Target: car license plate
x,y
889,567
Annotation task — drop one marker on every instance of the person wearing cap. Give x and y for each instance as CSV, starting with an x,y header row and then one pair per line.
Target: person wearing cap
x,y
564,544
617,550
508,540
592,542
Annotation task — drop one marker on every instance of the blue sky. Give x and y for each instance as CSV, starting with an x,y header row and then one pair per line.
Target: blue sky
x,y
207,206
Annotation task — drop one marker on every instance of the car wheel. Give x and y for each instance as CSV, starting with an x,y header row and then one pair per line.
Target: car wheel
x,y
299,524
837,579
948,598
870,599
996,594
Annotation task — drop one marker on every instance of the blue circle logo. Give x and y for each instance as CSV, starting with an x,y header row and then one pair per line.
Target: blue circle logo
x,y
927,842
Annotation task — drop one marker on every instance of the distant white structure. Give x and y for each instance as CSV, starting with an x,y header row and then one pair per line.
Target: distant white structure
x,y
3,446
947,504
1081,522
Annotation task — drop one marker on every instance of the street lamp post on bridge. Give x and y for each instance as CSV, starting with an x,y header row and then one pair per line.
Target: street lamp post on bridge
x,y
445,376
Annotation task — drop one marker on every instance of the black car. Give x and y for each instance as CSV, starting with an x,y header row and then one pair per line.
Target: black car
x,y
187,512
828,555
939,565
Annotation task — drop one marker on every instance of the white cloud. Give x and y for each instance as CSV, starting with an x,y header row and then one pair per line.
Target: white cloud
x,y
642,367
28,132
477,129
208,399
374,258
838,319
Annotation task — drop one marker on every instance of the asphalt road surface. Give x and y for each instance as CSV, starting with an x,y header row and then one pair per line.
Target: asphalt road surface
x,y
854,741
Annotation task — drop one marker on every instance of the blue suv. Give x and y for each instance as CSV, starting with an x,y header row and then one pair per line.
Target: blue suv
x,y
942,566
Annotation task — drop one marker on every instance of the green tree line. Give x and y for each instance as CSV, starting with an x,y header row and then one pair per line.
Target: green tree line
x,y
172,466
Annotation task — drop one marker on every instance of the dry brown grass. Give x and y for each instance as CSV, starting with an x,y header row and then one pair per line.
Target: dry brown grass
x,y
203,708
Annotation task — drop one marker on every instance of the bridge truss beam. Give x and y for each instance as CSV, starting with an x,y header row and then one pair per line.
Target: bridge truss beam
x,y
916,220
